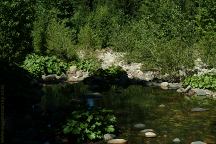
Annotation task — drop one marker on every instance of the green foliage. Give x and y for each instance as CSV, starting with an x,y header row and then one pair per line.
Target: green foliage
x,y
39,65
90,64
16,22
204,81
207,49
145,42
111,72
163,34
58,40
98,30
51,36
90,125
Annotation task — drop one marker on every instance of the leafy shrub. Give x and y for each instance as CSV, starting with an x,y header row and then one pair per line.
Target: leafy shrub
x,y
90,125
114,71
204,81
39,65
91,65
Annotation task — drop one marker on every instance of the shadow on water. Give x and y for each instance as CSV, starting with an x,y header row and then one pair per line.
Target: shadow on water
x,y
21,92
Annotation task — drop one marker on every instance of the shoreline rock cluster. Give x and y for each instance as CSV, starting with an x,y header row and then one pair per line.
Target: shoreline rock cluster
x,y
109,58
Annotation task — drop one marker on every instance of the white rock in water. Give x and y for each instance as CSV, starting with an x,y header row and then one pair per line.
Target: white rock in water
x,y
164,85
139,126
176,140
161,106
146,130
150,134
198,142
197,109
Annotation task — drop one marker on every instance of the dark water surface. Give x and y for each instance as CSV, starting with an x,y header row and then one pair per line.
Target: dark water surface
x,y
166,112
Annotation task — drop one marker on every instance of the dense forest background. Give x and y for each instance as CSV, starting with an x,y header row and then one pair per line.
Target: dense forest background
x,y
167,34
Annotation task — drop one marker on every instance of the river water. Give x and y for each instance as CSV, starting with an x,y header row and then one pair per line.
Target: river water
x,y
167,112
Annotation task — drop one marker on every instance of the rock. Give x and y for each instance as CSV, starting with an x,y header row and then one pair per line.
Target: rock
x,y
94,95
191,92
79,74
139,126
176,140
148,76
164,85
187,88
198,109
146,130
161,106
198,142
181,90
62,77
200,92
117,141
109,137
72,70
150,134
156,84
174,85
49,78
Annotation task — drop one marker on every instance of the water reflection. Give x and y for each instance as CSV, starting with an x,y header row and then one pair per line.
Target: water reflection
x,y
167,112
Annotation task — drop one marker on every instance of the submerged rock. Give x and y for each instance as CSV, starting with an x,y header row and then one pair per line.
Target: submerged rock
x,y
198,142
149,133
146,130
139,126
117,141
161,106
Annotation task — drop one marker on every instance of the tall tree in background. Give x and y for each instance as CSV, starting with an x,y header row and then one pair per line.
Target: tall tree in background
x,y
16,18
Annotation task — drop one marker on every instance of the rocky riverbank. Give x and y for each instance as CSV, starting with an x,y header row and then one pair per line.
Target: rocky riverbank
x,y
134,71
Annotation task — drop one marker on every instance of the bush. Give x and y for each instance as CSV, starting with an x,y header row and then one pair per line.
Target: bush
x,y
91,65
90,125
111,72
40,65
205,81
